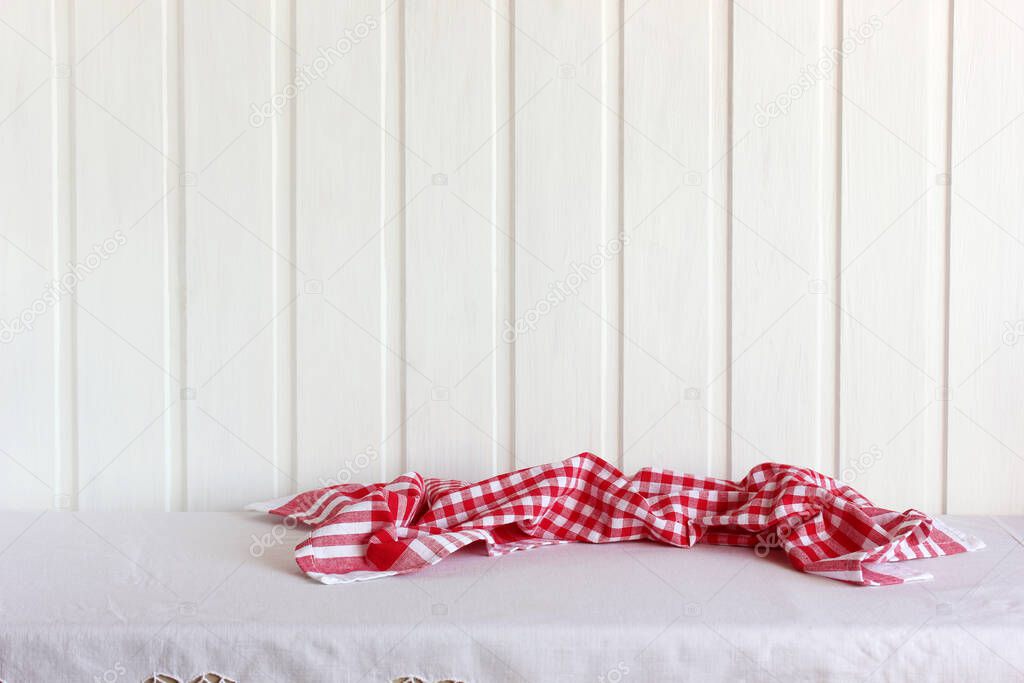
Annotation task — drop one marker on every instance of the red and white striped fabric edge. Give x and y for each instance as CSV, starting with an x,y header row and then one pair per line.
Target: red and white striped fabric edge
x,y
825,527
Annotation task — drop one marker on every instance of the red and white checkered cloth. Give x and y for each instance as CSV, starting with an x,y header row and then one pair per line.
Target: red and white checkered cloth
x,y
825,527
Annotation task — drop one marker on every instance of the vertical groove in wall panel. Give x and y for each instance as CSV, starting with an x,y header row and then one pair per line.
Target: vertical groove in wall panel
x,y
611,57
937,149
345,242
947,254
392,255
829,248
283,272
835,274
986,307
174,273
893,248
719,230
65,335
503,235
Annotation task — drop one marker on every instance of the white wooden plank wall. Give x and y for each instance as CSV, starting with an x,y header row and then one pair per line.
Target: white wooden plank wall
x,y
562,197
253,246
676,196
893,263
783,235
119,332
347,174
986,294
33,216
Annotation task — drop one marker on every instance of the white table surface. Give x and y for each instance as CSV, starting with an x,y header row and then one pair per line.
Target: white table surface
x,y
89,595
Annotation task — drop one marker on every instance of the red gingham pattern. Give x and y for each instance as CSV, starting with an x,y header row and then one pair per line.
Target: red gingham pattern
x,y
825,527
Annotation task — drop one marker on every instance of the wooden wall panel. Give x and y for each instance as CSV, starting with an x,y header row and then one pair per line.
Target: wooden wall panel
x,y
120,192
676,168
784,205
33,230
560,213
233,301
986,434
349,182
894,251
457,289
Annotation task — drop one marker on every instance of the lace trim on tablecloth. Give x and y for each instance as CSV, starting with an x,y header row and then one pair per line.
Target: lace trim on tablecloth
x,y
209,677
